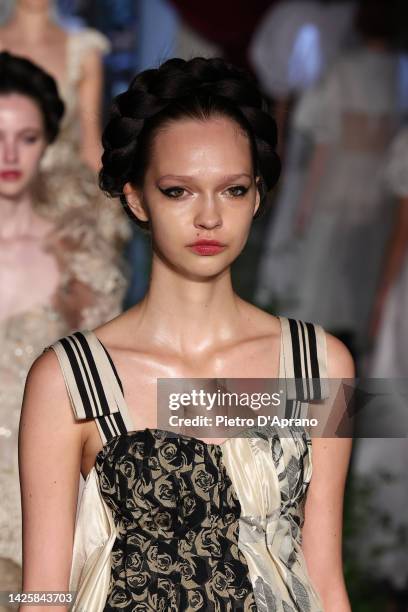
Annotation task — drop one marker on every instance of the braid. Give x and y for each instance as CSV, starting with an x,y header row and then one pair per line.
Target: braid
x,y
196,88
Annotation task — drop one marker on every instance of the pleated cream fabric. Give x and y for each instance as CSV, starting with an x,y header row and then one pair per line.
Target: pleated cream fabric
x,y
270,475
95,534
269,533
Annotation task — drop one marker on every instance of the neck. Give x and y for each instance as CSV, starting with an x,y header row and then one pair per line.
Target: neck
x,y
32,25
194,315
17,217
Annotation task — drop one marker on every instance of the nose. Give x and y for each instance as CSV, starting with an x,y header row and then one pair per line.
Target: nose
x,y
208,215
10,151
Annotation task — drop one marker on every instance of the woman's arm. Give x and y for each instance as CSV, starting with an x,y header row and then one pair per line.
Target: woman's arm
x,y
50,448
90,107
322,529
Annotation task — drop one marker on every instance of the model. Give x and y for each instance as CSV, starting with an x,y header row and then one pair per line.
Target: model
x,y
180,522
75,59
338,235
57,273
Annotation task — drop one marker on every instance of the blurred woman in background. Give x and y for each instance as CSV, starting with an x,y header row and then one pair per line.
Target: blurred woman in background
x,y
292,47
343,216
57,271
292,50
380,463
389,317
74,59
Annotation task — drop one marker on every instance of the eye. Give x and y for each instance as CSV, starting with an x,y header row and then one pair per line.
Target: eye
x,y
173,192
30,138
237,191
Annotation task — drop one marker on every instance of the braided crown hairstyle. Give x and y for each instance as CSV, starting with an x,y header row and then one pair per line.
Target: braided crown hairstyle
x,y
19,75
196,89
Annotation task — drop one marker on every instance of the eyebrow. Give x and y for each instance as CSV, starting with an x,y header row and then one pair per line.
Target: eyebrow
x,y
24,129
226,178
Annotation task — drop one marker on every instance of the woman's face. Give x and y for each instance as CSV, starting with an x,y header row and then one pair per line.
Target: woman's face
x,y
199,185
22,144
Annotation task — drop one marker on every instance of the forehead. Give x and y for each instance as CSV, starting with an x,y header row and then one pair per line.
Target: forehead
x,y
20,110
192,145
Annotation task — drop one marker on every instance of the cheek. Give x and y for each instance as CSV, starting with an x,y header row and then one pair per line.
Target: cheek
x,y
168,229
238,217
32,158
169,217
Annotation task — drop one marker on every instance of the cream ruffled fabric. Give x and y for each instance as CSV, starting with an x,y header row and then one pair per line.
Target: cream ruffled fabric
x,y
269,475
95,534
68,178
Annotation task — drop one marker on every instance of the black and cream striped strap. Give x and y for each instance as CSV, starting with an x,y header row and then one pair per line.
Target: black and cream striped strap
x,y
304,360
92,383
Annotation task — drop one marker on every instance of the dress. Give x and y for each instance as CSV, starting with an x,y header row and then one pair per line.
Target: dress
x,y
355,113
87,256
380,464
294,47
67,175
390,356
168,522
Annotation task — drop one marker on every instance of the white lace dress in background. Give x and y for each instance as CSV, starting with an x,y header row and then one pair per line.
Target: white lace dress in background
x,y
67,174
390,357
380,464
85,255
354,111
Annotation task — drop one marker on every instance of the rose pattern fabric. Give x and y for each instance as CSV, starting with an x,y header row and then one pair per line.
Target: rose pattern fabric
x,y
178,521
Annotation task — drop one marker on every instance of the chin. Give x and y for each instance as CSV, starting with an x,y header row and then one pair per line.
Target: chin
x,y
12,192
197,267
206,270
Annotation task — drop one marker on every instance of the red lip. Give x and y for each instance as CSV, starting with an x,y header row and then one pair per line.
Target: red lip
x,y
10,175
207,247
205,241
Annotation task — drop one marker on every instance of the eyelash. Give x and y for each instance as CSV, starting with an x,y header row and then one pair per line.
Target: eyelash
x,y
168,192
26,139
243,189
30,139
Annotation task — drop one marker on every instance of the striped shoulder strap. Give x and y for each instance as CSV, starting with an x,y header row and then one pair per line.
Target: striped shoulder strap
x,y
92,383
304,360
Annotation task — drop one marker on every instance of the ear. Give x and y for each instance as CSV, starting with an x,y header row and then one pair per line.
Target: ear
x,y
134,199
258,195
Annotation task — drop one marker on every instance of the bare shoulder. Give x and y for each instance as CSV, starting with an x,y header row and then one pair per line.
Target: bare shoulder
x,y
45,395
259,320
340,363
44,371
